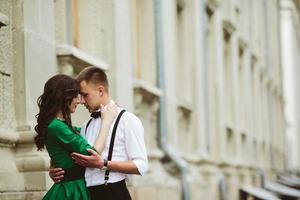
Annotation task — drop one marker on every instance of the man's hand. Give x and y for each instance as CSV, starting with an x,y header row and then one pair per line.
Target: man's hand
x,y
92,161
56,174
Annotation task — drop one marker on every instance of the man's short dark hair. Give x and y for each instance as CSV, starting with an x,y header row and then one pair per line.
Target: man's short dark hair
x,y
93,75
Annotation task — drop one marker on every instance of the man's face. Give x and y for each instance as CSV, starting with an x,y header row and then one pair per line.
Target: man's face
x,y
91,96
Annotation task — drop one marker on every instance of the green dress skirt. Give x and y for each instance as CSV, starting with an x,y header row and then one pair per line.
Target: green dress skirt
x,y
60,142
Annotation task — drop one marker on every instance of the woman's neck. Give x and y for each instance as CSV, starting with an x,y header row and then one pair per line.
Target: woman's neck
x,y
60,116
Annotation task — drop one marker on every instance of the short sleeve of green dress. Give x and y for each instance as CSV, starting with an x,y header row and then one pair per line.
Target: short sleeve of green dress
x,y
60,142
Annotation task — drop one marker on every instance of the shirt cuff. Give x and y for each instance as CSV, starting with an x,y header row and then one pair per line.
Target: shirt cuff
x,y
142,166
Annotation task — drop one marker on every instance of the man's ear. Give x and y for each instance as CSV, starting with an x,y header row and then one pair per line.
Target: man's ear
x,y
101,89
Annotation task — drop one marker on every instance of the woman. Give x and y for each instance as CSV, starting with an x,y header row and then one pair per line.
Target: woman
x,y
55,131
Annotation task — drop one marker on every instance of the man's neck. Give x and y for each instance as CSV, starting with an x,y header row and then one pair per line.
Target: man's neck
x,y
106,101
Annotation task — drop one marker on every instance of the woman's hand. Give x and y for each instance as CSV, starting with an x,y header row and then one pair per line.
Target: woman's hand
x,y
109,113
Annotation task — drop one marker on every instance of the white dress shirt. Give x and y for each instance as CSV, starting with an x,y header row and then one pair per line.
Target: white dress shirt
x,y
129,145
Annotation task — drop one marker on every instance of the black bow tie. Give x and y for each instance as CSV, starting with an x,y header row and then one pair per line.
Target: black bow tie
x,y
96,114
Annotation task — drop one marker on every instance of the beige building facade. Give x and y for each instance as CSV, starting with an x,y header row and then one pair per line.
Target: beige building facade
x,y
290,42
205,77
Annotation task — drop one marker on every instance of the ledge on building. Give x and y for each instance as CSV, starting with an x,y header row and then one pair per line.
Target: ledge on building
x,y
292,181
229,27
149,94
3,73
227,163
185,106
256,192
282,190
19,195
230,126
243,43
212,5
8,138
148,91
3,20
200,158
155,153
26,137
72,60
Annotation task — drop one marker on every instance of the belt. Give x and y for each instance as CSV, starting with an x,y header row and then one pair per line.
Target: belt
x,y
73,173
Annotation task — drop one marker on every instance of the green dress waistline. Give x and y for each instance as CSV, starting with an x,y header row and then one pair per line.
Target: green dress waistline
x,y
73,173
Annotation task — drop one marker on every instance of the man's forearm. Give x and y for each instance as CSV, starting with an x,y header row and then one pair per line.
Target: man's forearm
x,y
126,167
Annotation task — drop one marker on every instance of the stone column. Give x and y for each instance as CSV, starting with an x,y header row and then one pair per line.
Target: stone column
x,y
290,63
204,147
248,109
11,180
215,57
123,68
169,43
220,84
236,96
35,62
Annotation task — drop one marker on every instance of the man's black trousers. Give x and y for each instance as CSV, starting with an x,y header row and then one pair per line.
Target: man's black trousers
x,y
111,191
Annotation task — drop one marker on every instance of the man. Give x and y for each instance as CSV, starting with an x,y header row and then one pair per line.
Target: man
x,y
129,152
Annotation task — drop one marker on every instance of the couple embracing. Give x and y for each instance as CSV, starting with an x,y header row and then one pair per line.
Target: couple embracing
x,y
91,162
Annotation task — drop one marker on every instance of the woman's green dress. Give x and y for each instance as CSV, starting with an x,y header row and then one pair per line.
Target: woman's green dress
x,y
60,142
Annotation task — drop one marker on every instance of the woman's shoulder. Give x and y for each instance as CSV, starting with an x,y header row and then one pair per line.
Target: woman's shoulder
x,y
56,124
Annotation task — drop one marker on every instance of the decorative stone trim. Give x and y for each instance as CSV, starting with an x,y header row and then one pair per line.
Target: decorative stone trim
x,y
72,60
28,159
4,73
148,95
242,43
229,27
8,137
271,84
225,163
148,92
230,125
26,137
185,106
155,153
212,5
244,131
200,158
3,20
291,6
22,195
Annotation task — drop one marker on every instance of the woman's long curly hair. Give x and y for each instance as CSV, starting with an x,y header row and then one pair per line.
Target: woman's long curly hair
x,y
58,94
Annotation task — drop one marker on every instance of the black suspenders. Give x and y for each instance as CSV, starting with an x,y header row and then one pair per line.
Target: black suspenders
x,y
87,125
112,141
111,145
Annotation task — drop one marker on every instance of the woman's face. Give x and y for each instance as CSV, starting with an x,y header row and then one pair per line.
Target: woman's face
x,y
76,100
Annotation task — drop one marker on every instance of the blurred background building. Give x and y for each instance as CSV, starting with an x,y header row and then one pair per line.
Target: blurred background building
x,y
214,82
290,48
